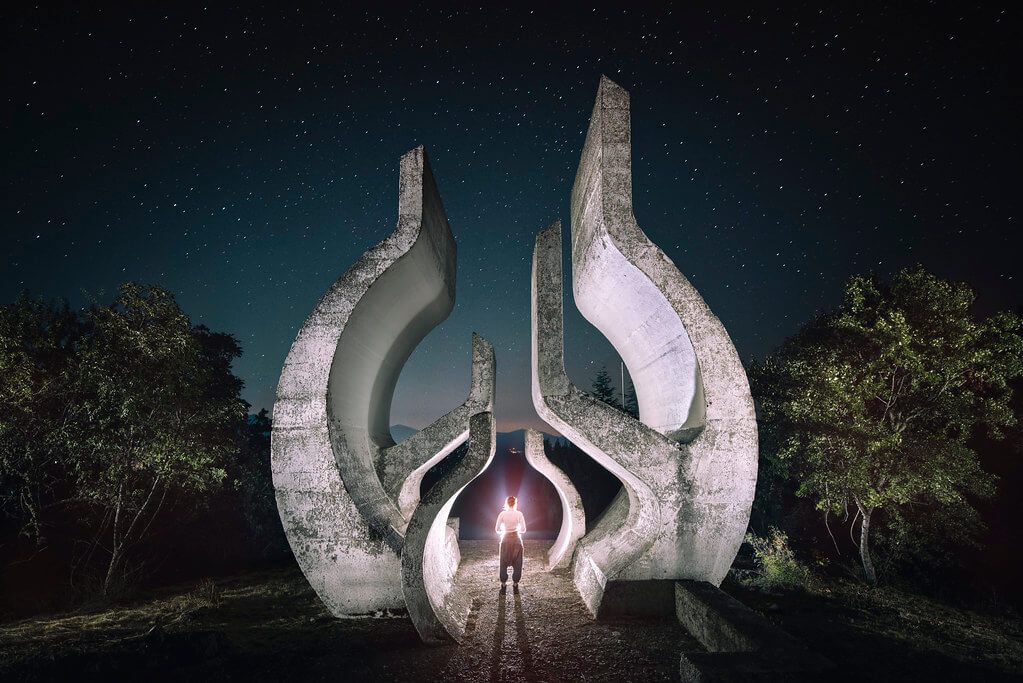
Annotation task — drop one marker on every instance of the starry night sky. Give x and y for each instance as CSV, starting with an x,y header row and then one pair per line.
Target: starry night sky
x,y
245,158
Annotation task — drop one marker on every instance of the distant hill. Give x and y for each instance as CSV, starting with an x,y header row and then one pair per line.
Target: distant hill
x,y
505,440
400,432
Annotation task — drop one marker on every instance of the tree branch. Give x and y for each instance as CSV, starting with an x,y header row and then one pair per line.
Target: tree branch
x,y
852,525
828,527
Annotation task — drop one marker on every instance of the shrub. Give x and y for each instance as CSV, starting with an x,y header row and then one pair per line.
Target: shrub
x,y
777,566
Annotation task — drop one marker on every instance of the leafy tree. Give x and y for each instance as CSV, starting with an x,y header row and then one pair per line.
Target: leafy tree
x,y
872,406
603,390
252,484
156,413
37,341
596,486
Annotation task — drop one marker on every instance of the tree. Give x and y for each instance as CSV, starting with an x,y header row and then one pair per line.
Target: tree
x,y
37,341
631,401
253,489
155,414
603,390
872,405
596,486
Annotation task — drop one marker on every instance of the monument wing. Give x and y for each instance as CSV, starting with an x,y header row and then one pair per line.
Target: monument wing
x,y
688,466
344,490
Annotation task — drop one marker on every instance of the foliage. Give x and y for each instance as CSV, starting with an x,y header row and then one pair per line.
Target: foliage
x,y
37,342
777,566
631,401
207,594
156,412
252,484
870,408
111,418
603,390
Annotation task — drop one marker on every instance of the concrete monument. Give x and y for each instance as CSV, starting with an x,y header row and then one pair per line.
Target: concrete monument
x,y
688,465
344,490
573,518
437,612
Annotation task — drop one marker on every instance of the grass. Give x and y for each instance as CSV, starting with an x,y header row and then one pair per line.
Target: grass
x,y
270,626
886,633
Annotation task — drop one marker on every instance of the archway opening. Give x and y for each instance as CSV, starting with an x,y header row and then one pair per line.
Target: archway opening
x,y
509,474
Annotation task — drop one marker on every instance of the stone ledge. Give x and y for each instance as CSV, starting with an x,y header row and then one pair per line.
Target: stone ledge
x,y
649,598
749,667
741,644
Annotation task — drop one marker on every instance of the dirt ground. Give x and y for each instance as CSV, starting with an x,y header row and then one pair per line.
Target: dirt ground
x,y
271,627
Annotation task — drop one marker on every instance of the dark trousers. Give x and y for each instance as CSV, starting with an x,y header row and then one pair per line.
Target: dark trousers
x,y
511,554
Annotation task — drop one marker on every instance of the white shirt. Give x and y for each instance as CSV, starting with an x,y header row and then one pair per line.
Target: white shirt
x,y
510,520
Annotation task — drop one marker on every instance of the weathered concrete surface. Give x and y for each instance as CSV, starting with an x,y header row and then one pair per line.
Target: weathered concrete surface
x,y
651,597
573,517
426,570
402,466
755,667
741,645
688,466
627,448
331,439
723,624
452,553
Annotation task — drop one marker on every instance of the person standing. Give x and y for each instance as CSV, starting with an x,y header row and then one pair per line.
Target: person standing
x,y
511,525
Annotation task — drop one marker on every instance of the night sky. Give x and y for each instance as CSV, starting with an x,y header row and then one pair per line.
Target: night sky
x,y
245,158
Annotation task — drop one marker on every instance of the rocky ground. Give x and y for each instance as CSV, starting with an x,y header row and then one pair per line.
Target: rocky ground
x,y
271,627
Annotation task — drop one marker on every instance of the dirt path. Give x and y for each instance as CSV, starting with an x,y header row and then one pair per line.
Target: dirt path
x,y
272,627
545,633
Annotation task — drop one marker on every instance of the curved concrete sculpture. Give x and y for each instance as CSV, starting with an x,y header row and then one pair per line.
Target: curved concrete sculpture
x,y
344,490
689,466
426,576
573,517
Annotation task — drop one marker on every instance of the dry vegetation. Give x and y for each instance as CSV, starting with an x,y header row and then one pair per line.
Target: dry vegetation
x,y
270,626
888,633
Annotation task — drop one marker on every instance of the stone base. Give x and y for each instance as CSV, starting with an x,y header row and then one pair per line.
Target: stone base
x,y
723,624
655,598
750,667
742,645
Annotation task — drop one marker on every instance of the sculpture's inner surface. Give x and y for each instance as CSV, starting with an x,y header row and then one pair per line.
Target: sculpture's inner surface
x,y
345,492
407,301
612,292
688,469
438,612
573,518
631,312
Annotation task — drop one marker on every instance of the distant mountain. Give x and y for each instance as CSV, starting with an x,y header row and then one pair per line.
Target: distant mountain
x,y
400,432
505,440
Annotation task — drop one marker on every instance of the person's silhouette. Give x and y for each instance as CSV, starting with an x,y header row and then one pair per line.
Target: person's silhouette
x,y
510,525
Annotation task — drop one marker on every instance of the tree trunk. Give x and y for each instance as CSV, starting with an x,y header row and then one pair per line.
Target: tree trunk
x,y
115,544
868,566
112,568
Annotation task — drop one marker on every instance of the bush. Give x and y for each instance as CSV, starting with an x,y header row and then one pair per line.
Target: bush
x,y
777,566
